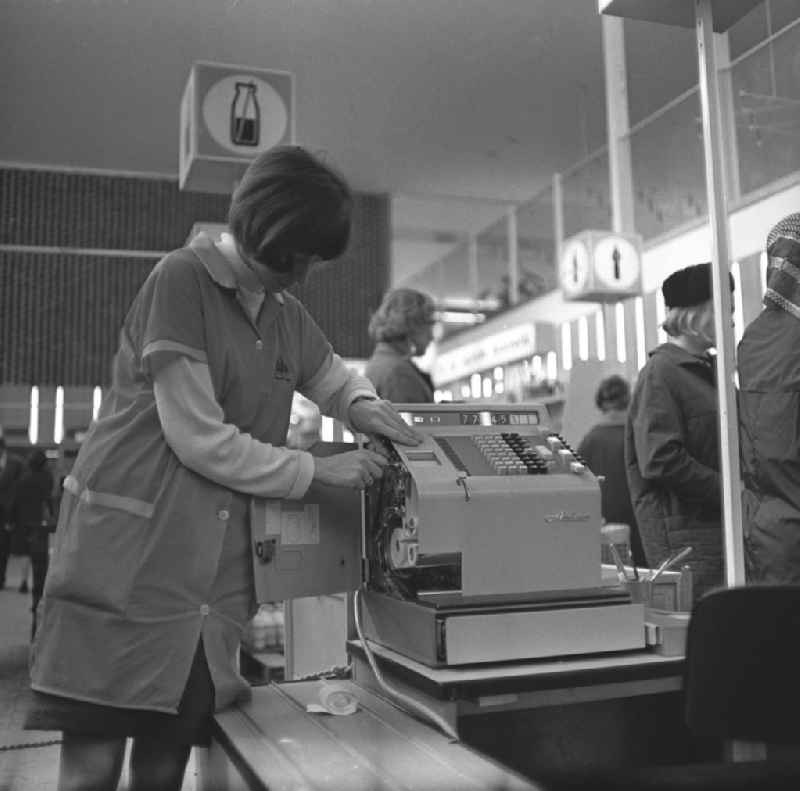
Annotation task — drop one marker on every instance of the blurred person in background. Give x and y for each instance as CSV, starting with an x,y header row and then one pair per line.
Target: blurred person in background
x,y
769,416
32,514
603,448
402,328
671,435
151,584
11,468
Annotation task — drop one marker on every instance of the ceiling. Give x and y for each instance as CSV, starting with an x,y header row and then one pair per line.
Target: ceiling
x,y
454,107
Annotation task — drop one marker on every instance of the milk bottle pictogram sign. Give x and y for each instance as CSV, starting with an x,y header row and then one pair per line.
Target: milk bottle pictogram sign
x,y
600,266
229,115
245,115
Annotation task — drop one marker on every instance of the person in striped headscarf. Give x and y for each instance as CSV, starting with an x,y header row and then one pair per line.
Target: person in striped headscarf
x,y
769,416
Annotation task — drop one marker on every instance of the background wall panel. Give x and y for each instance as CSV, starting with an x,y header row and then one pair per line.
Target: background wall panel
x,y
75,248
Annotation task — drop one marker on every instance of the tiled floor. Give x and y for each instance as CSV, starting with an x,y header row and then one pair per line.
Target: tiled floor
x,y
29,768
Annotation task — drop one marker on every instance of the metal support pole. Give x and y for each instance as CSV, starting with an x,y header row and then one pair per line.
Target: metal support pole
x,y
472,266
620,169
720,256
513,256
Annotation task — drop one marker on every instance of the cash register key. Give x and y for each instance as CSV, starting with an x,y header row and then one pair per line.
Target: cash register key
x,y
577,467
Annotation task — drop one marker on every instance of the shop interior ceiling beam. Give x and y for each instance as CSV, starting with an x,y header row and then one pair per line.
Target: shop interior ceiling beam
x,y
679,13
708,17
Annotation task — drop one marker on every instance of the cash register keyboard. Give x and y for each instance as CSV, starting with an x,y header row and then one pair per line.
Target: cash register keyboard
x,y
509,453
493,454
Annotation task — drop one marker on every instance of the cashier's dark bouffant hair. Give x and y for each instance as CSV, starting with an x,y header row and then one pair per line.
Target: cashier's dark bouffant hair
x,y
288,202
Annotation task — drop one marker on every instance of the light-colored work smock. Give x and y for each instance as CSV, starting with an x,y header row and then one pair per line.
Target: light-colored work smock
x,y
150,555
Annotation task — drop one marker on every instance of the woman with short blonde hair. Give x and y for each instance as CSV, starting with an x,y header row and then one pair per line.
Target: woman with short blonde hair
x,y
402,328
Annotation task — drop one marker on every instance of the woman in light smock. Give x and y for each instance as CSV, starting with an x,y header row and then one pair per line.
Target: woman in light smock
x,y
151,581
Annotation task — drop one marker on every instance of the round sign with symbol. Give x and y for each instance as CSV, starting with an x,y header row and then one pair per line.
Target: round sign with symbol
x,y
244,114
574,268
616,263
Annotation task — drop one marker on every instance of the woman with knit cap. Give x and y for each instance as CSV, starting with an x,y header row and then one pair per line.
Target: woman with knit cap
x,y
402,328
769,406
671,445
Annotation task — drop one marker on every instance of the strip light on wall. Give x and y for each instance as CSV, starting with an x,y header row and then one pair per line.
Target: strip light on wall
x,y
566,346
738,304
641,343
622,353
97,399
661,314
58,418
552,366
33,421
583,338
600,333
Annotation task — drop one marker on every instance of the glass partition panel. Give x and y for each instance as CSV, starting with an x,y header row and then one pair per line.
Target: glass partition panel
x,y
536,246
749,30
493,278
456,280
781,13
586,195
429,280
668,168
447,280
766,89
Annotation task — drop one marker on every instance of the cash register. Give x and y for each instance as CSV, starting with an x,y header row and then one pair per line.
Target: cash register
x,y
482,544
479,545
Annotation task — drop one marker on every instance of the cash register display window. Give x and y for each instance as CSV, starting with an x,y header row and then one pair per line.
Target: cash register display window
x,y
482,418
424,456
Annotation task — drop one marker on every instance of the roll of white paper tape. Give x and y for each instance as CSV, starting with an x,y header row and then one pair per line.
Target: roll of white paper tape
x,y
337,699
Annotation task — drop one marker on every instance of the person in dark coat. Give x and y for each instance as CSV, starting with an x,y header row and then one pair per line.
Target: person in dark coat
x,y
603,448
769,407
32,514
10,472
402,328
671,435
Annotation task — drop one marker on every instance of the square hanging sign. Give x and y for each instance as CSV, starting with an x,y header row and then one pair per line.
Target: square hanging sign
x,y
228,116
600,266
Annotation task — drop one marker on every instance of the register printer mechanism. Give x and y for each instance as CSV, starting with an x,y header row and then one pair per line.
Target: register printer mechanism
x,y
482,544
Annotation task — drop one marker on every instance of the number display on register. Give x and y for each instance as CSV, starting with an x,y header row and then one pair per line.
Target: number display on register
x,y
471,418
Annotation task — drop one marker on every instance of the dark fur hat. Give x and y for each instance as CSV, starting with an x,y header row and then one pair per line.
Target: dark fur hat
x,y
690,286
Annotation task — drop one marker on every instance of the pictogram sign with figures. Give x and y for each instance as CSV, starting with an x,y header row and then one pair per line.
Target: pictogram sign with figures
x,y
600,266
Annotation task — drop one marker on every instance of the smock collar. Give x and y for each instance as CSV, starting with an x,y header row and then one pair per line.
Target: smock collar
x,y
227,273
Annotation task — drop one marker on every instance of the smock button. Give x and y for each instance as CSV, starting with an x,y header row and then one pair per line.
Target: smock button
x,y
204,609
224,515
259,344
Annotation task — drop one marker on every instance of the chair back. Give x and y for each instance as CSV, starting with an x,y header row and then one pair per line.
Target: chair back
x,y
742,672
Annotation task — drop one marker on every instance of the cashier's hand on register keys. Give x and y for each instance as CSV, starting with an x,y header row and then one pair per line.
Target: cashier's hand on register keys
x,y
359,468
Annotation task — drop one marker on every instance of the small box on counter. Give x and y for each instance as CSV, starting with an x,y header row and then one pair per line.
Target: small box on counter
x,y
671,590
665,632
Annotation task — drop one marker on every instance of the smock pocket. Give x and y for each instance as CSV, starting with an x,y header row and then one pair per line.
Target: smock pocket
x,y
100,547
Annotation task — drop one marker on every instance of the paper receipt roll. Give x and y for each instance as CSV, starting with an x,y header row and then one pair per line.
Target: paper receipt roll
x,y
334,699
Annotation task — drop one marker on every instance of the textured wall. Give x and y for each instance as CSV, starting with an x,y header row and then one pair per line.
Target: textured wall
x,y
61,307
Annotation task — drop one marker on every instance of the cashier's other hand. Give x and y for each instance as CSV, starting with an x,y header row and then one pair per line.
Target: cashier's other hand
x,y
355,469
379,417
